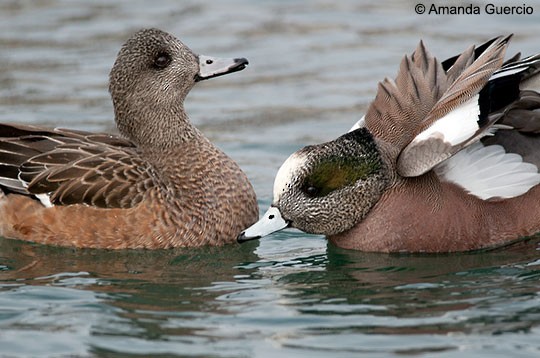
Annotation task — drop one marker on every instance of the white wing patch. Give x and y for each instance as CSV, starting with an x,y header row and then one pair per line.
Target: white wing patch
x,y
441,140
457,126
45,198
286,173
489,172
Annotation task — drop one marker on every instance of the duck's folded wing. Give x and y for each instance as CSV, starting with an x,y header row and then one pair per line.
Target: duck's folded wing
x,y
62,167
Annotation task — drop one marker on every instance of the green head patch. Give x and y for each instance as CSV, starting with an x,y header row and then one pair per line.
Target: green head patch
x,y
336,172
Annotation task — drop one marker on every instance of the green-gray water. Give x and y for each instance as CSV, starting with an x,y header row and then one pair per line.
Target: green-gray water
x,y
314,67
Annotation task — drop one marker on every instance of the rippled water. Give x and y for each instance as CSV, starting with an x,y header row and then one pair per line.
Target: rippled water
x,y
313,69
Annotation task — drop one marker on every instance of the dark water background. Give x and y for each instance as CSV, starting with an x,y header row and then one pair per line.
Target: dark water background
x,y
314,66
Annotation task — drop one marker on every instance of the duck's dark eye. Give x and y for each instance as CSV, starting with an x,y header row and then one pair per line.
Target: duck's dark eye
x,y
311,191
162,60
209,62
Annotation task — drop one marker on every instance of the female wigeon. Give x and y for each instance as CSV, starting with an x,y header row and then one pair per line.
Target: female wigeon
x,y
161,184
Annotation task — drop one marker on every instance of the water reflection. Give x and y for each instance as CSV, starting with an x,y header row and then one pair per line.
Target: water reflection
x,y
303,297
30,263
348,297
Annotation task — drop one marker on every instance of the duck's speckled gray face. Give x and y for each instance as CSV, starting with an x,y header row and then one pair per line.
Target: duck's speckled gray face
x,y
326,188
152,62
152,75
157,59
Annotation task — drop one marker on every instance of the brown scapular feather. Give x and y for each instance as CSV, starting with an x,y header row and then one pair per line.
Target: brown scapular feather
x,y
423,91
73,167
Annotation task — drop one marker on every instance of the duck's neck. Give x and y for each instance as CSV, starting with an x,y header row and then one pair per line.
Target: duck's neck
x,y
155,126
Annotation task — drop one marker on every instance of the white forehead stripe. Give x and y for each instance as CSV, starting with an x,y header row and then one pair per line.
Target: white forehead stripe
x,y
285,174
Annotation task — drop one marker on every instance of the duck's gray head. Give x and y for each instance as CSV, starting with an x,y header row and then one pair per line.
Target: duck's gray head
x,y
153,73
326,188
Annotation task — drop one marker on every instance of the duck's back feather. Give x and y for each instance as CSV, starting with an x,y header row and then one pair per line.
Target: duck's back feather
x,y
66,167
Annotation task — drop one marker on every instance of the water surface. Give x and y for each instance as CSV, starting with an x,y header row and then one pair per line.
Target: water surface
x,y
314,67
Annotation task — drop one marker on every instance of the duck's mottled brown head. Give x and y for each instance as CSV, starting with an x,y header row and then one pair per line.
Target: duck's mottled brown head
x,y
152,75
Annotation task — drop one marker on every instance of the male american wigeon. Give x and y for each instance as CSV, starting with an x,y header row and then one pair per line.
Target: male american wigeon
x,y
161,184
445,159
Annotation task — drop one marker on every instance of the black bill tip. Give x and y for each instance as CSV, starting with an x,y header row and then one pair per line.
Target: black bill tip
x,y
243,238
239,64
